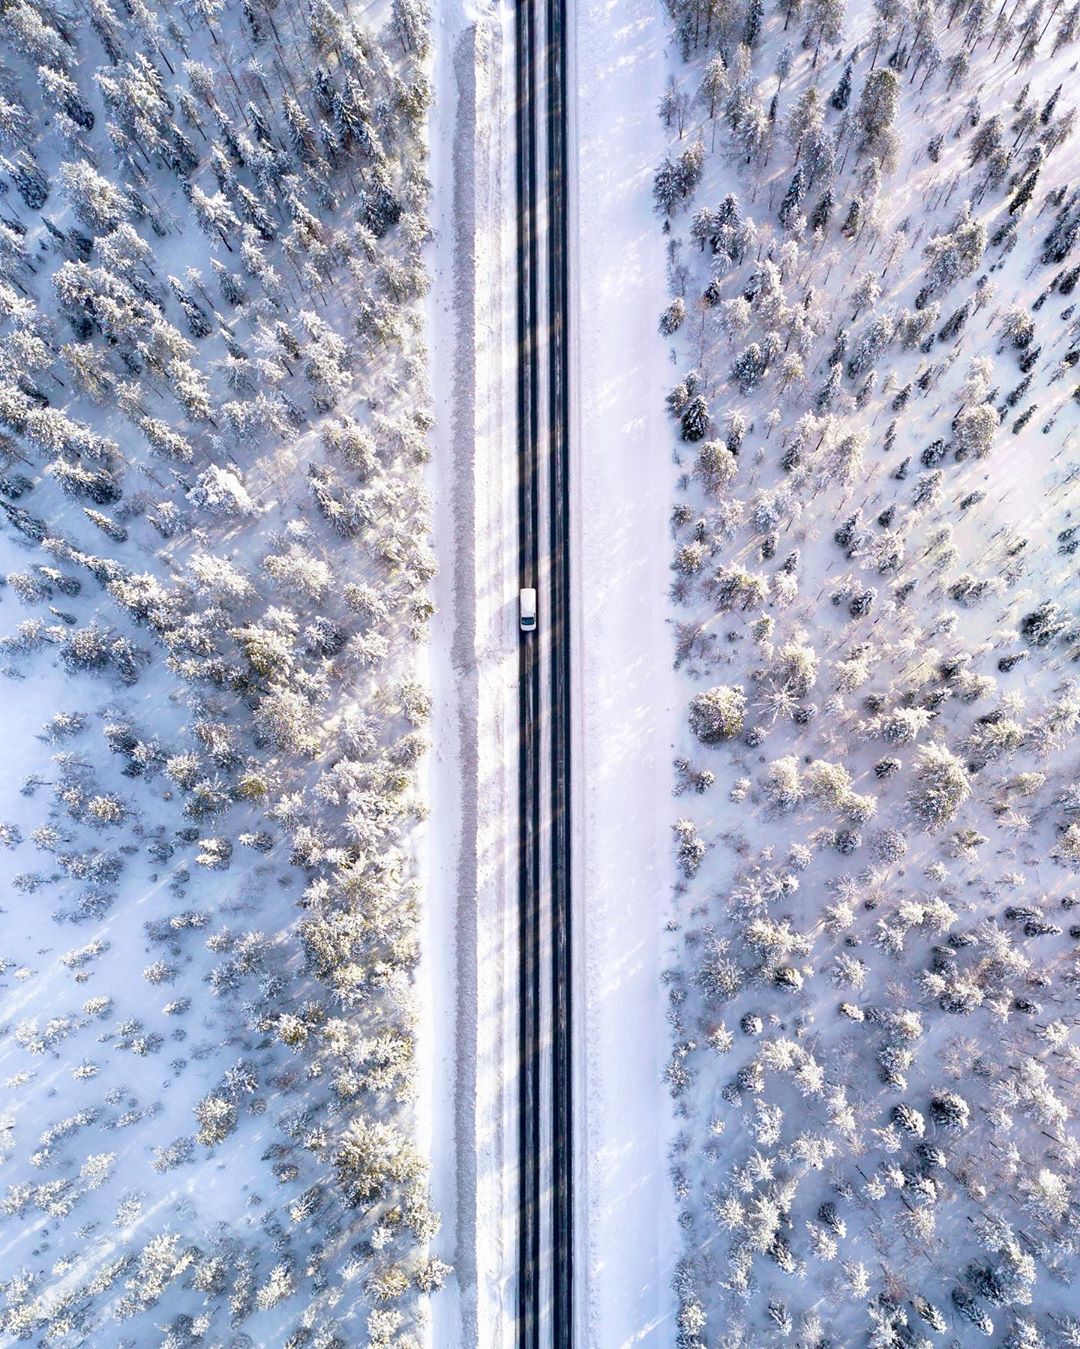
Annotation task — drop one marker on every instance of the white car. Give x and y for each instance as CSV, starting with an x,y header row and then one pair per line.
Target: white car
x,y
527,609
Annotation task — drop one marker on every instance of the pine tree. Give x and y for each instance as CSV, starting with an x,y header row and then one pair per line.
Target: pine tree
x,y
214,215
819,152
754,17
969,1309
784,62
748,369
870,346
253,211
827,394
673,317
691,166
107,525
15,126
198,323
64,94
714,83
180,153
1049,106
925,46
1068,28
301,134
792,203
232,287
1030,31
695,419
97,485
824,25
974,430
954,323
717,714
943,786
805,117
165,441
1024,191
955,255
865,295
875,116
822,212
94,199
412,23
988,136
667,188
30,181
841,95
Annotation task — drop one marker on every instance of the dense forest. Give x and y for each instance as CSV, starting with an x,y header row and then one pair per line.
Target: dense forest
x,y
214,417
870,220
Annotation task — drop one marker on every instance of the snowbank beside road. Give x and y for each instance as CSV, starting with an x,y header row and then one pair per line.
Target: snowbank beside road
x,y
468,1056
625,690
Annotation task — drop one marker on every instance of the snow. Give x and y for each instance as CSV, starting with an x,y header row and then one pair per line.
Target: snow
x,y
130,1010
442,1056
627,695
706,1111
143,1098
752,1130
470,1053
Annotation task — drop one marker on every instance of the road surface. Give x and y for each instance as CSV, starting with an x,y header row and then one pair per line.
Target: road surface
x,y
546,1218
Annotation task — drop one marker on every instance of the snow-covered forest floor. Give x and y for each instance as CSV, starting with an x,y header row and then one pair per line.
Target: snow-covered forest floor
x,y
870,221
214,422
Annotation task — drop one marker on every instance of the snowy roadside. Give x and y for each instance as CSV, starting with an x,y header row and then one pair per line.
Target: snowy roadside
x,y
625,688
468,1056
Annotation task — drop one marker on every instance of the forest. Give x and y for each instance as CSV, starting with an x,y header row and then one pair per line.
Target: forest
x,y
214,418
870,217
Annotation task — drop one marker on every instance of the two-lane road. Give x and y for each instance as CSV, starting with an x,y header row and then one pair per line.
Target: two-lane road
x,y
545,1276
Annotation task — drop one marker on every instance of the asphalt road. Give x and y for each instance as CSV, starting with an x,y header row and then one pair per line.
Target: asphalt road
x,y
545,1282
562,1174
529,1239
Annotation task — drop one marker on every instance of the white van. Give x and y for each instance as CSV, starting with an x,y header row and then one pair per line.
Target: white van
x,y
527,609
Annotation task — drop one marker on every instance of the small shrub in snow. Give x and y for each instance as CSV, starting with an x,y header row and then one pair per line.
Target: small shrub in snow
x,y
949,1111
217,1118
689,847
673,317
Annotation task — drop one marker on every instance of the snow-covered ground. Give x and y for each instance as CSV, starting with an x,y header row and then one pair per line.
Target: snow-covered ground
x,y
441,1060
471,1052
627,694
